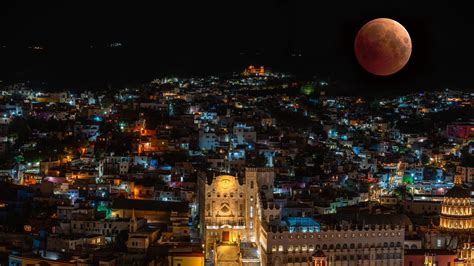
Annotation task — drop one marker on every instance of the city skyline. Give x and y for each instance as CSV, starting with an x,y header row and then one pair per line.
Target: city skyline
x,y
249,133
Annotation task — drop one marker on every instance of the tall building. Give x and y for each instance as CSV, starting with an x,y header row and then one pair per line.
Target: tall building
x,y
288,240
466,172
375,245
227,210
456,209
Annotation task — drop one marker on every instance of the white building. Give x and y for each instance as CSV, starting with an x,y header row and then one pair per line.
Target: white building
x,y
207,140
244,134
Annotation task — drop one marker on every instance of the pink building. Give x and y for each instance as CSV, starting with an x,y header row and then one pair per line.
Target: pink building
x,y
460,130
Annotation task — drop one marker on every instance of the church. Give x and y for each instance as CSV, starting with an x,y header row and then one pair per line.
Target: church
x,y
228,208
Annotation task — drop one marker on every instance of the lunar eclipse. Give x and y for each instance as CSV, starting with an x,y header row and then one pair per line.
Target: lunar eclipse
x,y
383,46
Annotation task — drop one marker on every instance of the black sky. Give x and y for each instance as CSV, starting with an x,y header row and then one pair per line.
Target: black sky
x,y
200,37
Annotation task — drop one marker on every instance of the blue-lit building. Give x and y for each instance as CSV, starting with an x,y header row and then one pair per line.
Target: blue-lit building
x,y
303,224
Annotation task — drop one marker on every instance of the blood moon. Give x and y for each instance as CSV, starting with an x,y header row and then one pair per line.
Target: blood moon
x,y
383,46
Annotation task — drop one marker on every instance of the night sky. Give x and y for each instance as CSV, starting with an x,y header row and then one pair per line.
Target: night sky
x,y
194,37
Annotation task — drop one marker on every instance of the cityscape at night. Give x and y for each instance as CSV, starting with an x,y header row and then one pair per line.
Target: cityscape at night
x,y
258,134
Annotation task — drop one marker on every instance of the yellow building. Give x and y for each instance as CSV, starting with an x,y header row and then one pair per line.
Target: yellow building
x,y
228,209
456,209
183,258
254,71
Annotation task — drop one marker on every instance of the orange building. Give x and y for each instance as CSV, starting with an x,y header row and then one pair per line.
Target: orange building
x,y
254,71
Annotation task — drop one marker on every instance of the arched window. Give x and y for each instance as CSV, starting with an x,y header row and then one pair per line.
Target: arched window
x,y
338,246
325,246
331,246
290,248
352,245
392,244
399,244
344,246
385,245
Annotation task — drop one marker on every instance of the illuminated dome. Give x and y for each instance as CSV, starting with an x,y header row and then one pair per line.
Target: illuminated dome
x,y
456,209
458,192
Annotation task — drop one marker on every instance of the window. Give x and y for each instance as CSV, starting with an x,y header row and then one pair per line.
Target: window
x,y
251,184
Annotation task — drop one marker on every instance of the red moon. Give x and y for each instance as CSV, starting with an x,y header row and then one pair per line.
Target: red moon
x,y
383,46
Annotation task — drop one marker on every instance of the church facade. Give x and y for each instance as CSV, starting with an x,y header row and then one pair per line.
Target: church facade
x,y
228,209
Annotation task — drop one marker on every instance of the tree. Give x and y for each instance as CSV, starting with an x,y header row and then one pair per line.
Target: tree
x,y
402,193
425,159
20,128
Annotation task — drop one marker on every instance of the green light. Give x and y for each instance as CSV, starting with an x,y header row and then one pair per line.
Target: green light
x,y
103,208
307,89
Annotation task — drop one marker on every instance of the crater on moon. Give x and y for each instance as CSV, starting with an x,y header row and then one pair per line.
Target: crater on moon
x,y
383,46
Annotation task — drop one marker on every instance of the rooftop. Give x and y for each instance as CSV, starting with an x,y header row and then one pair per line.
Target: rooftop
x,y
150,205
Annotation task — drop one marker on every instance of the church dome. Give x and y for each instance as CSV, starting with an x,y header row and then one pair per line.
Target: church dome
x,y
458,192
456,209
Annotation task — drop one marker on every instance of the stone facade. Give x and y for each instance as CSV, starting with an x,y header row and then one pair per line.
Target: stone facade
x,y
228,209
377,245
